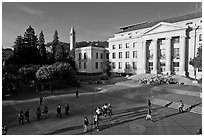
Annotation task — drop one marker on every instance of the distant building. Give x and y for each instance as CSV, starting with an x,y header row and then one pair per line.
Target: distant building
x,y
91,59
88,59
164,46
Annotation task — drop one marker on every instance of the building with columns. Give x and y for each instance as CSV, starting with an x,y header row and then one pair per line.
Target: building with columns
x,y
164,46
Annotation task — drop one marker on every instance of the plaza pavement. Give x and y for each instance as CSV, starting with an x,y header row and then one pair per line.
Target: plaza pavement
x,y
125,120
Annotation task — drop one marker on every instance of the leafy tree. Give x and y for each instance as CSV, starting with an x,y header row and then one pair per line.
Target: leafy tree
x,y
61,53
28,72
107,67
41,47
197,61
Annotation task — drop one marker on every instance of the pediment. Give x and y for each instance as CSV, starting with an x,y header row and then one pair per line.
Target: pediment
x,y
162,27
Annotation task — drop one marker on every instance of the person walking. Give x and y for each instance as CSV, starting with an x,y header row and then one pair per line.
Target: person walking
x,y
149,116
27,115
181,106
38,113
67,109
21,117
46,110
41,101
96,122
59,111
77,93
86,123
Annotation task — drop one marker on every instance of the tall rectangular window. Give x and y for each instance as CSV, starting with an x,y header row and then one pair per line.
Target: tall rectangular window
x,y
134,44
84,55
163,54
134,54
120,55
176,53
127,66
79,56
120,46
113,46
127,54
113,55
96,55
101,65
176,66
107,55
150,66
127,45
79,65
120,65
134,65
96,65
101,55
113,65
84,65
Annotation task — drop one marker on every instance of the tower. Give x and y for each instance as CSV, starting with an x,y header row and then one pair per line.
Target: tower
x,y
72,38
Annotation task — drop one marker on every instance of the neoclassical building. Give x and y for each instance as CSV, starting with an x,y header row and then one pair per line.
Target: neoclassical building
x,y
164,46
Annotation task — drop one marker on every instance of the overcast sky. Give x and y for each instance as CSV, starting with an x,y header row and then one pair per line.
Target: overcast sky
x,y
92,21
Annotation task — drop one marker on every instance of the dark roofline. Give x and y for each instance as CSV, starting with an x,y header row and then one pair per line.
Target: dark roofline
x,y
170,20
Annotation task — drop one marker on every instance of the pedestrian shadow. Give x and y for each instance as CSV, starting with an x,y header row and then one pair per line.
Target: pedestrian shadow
x,y
64,130
178,113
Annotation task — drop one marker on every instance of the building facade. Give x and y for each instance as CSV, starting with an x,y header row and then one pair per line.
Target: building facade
x,y
164,46
90,59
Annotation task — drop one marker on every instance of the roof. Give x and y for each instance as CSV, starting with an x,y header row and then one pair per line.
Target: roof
x,y
170,20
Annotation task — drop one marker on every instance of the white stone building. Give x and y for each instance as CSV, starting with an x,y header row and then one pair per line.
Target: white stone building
x,y
164,46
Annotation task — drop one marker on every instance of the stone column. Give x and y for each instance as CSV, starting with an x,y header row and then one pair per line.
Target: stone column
x,y
168,56
144,52
182,53
155,56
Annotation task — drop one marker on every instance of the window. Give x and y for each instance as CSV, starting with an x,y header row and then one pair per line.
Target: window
x,y
84,55
120,46
127,54
113,46
162,67
134,65
107,55
96,55
96,65
120,55
113,55
176,66
120,65
84,65
79,56
176,53
134,44
79,65
127,45
150,66
163,55
127,66
161,42
134,54
113,65
101,65
200,37
101,55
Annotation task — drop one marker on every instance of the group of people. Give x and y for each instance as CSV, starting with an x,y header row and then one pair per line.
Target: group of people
x,y
103,111
39,113
159,79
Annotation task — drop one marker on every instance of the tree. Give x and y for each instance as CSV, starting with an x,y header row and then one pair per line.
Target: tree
x,y
61,53
107,67
42,49
197,61
55,42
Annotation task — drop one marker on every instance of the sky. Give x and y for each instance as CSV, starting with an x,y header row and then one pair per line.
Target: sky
x,y
92,21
